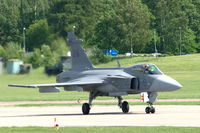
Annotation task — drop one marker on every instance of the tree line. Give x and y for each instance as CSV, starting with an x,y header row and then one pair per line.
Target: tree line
x,y
168,26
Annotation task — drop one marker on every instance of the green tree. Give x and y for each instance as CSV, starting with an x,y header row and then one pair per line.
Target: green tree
x,y
99,57
123,26
59,47
195,21
108,34
38,34
134,19
172,24
13,51
9,21
173,21
36,59
103,8
32,10
48,56
2,52
17,14
66,14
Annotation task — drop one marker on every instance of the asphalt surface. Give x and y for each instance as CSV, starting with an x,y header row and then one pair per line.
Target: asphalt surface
x,y
170,115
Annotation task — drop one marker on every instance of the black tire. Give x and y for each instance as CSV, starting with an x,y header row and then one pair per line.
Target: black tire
x,y
125,107
86,108
153,110
148,110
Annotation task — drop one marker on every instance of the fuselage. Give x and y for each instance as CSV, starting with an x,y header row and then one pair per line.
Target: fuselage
x,y
139,78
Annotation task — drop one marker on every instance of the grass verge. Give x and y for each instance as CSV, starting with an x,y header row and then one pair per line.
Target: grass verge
x,y
100,130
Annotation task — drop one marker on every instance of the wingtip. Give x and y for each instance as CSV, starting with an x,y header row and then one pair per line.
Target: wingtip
x,y
24,86
10,85
13,85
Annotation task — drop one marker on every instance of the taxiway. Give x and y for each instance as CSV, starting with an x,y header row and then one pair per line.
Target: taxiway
x,y
166,115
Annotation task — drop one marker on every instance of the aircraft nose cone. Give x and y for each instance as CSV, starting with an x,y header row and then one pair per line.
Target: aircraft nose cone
x,y
165,83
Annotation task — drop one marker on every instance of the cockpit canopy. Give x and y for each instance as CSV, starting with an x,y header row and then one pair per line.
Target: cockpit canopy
x,y
146,69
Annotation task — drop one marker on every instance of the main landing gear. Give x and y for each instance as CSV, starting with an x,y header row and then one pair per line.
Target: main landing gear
x,y
86,108
123,105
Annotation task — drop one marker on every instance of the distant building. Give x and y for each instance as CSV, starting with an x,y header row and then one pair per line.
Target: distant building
x,y
13,66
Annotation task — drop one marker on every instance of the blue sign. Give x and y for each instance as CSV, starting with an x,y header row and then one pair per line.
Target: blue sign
x,y
113,52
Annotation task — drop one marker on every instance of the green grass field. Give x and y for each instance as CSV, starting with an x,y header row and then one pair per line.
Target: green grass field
x,y
184,69
100,130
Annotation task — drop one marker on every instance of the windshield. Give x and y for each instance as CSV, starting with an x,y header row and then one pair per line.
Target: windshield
x,y
152,70
146,69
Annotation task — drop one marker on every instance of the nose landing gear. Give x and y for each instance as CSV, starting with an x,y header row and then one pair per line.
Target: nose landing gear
x,y
150,109
152,98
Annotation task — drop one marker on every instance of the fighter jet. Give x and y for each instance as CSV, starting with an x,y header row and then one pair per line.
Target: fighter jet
x,y
112,82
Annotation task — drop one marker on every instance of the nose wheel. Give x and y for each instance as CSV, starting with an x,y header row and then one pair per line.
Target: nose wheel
x,y
150,109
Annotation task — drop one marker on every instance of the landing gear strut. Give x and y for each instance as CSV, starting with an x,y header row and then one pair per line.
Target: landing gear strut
x,y
123,105
150,109
152,98
87,106
93,94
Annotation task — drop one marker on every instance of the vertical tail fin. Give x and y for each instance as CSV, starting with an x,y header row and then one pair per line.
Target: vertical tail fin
x,y
80,60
